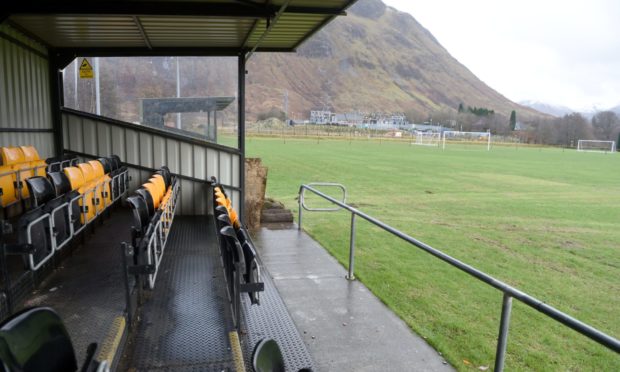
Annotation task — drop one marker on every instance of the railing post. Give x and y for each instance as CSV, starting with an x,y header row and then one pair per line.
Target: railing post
x,y
300,206
350,275
502,340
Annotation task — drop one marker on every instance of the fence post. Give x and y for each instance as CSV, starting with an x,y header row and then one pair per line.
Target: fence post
x,y
350,275
502,340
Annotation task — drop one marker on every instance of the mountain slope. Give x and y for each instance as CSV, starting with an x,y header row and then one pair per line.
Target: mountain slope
x,y
374,59
547,108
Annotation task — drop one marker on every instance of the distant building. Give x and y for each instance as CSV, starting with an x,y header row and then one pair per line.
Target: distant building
x,y
428,128
322,117
349,118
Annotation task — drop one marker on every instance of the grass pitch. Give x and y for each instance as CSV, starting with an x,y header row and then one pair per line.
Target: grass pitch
x,y
544,220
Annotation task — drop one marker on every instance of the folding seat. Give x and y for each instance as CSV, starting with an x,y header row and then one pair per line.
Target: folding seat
x,y
165,173
8,193
114,169
148,198
86,202
92,185
106,164
15,159
155,192
31,155
140,213
123,182
160,187
228,232
36,339
117,160
62,186
34,228
104,180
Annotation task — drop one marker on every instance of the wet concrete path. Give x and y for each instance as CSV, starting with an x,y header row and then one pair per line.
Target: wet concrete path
x,y
345,327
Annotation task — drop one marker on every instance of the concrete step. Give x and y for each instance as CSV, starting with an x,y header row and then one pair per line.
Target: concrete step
x,y
276,215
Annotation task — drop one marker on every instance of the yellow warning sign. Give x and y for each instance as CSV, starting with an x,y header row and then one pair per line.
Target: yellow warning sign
x,y
86,70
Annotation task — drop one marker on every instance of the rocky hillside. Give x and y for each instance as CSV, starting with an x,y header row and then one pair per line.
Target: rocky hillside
x,y
374,59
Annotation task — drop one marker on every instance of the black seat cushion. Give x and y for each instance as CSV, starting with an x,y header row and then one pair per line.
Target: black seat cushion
x,y
107,166
113,164
75,208
60,219
140,212
117,161
41,190
40,233
267,357
60,181
165,173
230,237
146,195
36,340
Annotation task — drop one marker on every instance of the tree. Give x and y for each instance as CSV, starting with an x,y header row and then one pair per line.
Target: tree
x,y
571,128
414,116
513,120
604,125
461,108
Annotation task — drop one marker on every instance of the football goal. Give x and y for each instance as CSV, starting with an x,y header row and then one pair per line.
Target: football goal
x,y
427,138
596,146
467,138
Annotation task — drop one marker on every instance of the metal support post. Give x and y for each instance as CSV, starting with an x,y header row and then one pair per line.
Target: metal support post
x,y
351,276
502,340
300,206
241,133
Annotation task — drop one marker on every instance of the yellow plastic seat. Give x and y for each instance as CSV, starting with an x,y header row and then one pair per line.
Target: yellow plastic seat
x,y
97,168
75,176
7,177
88,172
91,176
11,155
104,190
15,158
79,183
30,153
161,186
234,219
155,193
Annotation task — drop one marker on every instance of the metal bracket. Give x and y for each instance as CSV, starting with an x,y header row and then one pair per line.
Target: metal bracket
x,y
18,249
252,287
141,269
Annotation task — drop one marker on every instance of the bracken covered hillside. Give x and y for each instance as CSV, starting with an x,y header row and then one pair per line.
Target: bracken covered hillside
x,y
374,59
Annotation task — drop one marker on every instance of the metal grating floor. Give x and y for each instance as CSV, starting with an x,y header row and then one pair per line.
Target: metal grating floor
x,y
87,290
184,324
271,319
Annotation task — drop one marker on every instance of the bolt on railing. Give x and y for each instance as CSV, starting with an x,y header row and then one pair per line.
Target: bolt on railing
x,y
508,291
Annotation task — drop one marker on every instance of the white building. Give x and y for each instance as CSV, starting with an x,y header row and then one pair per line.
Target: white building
x,y
322,117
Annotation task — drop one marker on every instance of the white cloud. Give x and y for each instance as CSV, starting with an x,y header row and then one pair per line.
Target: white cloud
x,y
563,52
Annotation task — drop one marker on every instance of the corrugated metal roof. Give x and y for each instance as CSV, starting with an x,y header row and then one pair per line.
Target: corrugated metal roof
x,y
233,26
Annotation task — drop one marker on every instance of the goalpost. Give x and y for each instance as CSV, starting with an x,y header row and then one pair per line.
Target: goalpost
x,y
596,146
427,138
470,138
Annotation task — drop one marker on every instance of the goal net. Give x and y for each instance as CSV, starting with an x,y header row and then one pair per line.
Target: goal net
x,y
427,138
467,138
596,146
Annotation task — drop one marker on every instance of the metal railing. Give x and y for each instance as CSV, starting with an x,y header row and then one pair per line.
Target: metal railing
x,y
161,230
508,291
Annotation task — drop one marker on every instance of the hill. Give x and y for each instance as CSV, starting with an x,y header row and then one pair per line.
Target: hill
x,y
547,108
374,59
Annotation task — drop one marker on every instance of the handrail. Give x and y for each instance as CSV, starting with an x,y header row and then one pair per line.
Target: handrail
x,y
508,291
344,197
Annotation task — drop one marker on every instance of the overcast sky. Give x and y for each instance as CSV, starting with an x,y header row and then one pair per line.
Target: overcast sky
x,y
560,52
